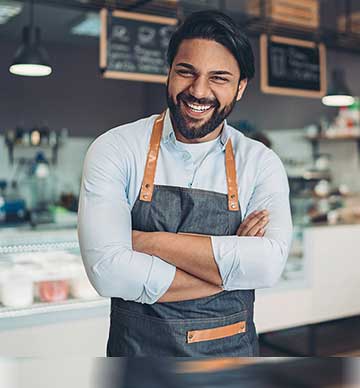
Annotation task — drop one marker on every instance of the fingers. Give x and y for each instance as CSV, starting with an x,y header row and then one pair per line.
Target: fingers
x,y
260,233
251,220
250,217
253,224
258,227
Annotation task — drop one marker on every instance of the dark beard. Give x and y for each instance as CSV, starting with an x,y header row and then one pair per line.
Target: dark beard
x,y
193,131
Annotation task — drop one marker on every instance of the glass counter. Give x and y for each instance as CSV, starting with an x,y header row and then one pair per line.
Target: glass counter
x,y
41,271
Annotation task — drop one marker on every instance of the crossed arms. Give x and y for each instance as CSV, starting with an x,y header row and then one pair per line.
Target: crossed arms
x,y
163,272
197,274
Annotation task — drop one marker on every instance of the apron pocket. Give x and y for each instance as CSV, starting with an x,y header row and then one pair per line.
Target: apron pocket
x,y
226,336
134,334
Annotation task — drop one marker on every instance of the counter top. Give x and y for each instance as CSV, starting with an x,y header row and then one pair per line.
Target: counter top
x,y
41,229
46,313
326,224
50,230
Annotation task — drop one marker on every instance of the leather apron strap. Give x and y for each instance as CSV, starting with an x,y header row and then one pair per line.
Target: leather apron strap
x,y
233,200
147,186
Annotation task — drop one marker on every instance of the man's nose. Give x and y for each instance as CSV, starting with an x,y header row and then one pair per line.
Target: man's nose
x,y
200,87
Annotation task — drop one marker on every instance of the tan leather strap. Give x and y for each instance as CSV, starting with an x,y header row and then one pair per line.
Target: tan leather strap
x,y
215,333
147,186
233,200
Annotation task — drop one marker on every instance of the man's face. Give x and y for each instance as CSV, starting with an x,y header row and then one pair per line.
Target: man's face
x,y
203,86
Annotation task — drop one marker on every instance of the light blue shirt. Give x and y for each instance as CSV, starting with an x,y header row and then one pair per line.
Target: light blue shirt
x,y
112,176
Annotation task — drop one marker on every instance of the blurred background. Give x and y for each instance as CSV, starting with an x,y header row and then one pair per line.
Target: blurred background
x,y
58,93
121,372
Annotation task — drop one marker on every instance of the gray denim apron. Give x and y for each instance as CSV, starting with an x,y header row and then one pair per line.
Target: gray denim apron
x,y
221,324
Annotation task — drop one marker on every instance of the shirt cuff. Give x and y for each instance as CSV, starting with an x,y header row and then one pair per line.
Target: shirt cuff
x,y
223,250
160,277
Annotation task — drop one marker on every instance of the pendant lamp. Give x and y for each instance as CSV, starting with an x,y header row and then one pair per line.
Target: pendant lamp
x,y
338,93
31,58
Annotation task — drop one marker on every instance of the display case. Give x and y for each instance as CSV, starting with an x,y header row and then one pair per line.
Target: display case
x,y
311,204
41,271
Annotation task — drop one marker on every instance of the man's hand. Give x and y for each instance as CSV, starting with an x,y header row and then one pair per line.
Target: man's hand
x,y
254,224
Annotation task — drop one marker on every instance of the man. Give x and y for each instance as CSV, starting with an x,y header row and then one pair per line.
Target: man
x,y
162,224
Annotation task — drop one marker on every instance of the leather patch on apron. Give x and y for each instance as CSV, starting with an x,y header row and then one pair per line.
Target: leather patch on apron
x,y
215,333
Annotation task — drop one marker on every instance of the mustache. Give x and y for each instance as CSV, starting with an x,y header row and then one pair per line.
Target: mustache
x,y
193,100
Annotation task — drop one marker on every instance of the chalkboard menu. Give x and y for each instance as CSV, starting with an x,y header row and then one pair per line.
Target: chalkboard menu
x,y
292,67
133,45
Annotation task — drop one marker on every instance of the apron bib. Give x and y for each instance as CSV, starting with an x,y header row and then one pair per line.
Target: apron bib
x,y
221,324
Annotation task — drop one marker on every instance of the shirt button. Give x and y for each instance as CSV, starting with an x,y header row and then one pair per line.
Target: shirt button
x,y
190,184
186,156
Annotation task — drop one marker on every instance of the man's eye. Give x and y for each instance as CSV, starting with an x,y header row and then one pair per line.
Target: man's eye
x,y
186,73
219,79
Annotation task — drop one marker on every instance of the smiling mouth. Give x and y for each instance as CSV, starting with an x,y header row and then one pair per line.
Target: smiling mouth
x,y
197,108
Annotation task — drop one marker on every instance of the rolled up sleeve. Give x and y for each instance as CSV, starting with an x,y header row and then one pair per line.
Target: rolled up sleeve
x,y
105,230
257,262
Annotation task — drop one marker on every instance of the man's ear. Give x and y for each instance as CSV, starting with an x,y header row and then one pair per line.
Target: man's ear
x,y
241,88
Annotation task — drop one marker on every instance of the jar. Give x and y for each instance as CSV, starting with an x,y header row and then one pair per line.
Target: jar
x,y
17,287
53,290
322,188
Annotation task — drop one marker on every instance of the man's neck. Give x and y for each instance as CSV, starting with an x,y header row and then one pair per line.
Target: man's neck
x,y
211,136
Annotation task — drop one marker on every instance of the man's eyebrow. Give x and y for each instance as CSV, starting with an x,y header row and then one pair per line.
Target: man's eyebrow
x,y
214,72
187,65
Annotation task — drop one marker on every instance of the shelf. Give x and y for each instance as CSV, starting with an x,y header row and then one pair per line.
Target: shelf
x,y
53,148
333,138
312,175
34,240
315,140
43,308
39,247
59,314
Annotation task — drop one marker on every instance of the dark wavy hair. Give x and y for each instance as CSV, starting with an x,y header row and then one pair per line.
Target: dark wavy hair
x,y
215,25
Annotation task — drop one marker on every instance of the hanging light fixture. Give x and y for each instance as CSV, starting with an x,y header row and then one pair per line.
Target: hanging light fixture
x,y
338,93
31,58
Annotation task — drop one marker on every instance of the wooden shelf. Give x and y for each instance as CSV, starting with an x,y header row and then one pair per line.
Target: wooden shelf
x,y
315,140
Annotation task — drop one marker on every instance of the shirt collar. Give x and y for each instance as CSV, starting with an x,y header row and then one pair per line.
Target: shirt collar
x,y
168,134
168,131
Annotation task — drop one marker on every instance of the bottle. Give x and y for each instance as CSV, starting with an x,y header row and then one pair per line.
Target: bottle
x,y
354,110
16,207
44,135
35,137
53,138
3,185
42,190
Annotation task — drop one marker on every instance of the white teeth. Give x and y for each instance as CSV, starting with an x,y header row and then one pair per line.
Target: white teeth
x,y
199,108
